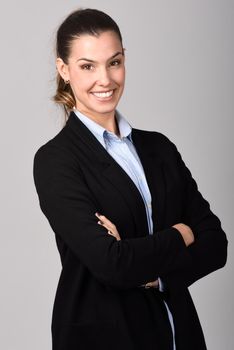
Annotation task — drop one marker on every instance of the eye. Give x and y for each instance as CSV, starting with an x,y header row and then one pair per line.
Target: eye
x,y
115,63
87,67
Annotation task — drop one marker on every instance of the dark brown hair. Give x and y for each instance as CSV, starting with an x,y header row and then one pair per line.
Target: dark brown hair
x,y
82,21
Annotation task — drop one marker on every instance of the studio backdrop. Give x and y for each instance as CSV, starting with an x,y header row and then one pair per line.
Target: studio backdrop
x,y
180,81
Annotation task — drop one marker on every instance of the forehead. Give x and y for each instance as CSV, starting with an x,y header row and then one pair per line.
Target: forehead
x,y
95,47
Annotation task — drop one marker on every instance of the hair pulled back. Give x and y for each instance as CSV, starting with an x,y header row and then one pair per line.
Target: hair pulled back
x,y
82,21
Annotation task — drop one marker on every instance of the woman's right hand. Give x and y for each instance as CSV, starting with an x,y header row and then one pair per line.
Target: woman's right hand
x,y
186,233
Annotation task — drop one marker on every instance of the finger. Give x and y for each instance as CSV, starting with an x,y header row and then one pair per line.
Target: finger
x,y
115,234
104,219
104,225
107,222
112,234
117,237
149,284
153,284
108,225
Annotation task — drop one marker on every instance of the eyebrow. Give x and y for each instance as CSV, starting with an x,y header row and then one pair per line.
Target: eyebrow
x,y
92,61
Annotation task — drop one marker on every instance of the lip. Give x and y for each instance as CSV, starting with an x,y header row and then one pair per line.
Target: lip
x,y
103,99
96,92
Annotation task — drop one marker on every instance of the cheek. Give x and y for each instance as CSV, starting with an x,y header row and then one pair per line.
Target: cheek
x,y
81,82
119,76
122,74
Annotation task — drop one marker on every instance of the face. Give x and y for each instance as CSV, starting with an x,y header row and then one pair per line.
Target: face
x,y
96,73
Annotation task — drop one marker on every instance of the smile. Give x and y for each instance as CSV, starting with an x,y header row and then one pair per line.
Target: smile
x,y
104,95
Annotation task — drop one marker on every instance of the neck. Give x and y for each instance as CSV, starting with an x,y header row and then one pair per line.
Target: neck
x,y
107,121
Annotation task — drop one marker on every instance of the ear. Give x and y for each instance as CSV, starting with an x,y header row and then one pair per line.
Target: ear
x,y
62,69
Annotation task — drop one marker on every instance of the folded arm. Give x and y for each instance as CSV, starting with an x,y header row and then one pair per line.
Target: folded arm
x,y
209,250
70,209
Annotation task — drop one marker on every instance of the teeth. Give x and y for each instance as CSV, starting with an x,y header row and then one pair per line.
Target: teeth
x,y
103,94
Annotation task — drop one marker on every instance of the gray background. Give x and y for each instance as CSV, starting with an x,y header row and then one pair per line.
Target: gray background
x,y
180,74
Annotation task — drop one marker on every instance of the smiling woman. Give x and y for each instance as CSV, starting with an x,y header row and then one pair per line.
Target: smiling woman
x,y
131,227
90,63
95,71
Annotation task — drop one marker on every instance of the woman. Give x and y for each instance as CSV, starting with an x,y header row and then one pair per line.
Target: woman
x,y
131,227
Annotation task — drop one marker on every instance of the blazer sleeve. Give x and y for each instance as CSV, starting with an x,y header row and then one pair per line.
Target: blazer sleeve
x,y
209,250
66,201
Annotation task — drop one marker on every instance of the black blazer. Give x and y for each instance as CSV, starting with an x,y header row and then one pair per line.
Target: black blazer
x,y
98,303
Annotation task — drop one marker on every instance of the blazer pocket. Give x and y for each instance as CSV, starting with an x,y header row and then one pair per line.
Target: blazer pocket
x,y
85,335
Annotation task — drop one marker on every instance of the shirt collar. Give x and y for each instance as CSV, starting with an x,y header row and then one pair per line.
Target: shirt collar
x,y
101,133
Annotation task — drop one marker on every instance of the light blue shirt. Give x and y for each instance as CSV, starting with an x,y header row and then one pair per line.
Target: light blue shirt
x,y
123,151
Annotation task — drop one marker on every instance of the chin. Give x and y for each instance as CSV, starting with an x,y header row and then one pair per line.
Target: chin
x,y
105,110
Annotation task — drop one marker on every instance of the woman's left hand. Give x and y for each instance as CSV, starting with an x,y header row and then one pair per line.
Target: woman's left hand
x,y
112,230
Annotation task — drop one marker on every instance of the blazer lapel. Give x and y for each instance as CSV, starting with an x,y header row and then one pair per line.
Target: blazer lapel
x,y
112,172
154,172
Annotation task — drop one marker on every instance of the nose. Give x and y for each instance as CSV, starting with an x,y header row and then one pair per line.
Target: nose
x,y
103,78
